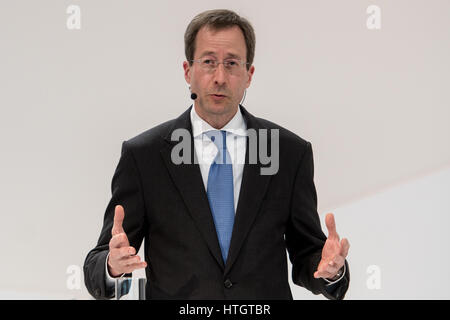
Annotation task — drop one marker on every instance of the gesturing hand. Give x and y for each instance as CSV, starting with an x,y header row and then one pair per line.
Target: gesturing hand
x,y
122,257
333,252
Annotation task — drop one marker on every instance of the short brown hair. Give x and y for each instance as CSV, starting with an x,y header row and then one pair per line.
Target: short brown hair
x,y
219,19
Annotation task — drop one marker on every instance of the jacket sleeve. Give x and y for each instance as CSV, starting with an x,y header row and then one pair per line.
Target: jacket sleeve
x,y
126,190
304,236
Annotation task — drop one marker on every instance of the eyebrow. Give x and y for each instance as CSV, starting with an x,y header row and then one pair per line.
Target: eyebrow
x,y
229,55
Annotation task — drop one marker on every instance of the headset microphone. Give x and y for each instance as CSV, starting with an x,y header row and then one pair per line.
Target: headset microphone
x,y
193,95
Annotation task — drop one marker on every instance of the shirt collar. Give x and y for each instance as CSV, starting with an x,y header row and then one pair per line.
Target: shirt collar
x,y
236,125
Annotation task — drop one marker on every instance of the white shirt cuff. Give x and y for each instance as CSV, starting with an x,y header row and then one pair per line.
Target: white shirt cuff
x,y
333,282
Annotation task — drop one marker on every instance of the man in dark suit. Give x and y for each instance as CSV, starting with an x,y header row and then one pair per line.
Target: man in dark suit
x,y
217,229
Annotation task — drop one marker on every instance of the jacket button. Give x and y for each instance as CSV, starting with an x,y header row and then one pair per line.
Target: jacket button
x,y
228,284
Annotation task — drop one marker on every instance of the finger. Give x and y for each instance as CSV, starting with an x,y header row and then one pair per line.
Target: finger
x,y
119,215
331,226
125,252
118,241
321,271
345,245
122,253
130,260
323,274
135,266
132,265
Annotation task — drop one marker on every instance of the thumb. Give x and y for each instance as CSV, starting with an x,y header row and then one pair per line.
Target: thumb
x,y
119,215
331,226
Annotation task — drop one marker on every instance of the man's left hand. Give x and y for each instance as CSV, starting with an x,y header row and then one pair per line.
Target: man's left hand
x,y
334,252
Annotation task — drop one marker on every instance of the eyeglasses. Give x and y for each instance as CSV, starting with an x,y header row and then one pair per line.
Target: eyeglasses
x,y
233,66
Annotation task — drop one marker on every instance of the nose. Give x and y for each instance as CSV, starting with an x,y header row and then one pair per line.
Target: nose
x,y
220,74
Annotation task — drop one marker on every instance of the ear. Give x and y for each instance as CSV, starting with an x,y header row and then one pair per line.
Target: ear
x,y
187,72
250,75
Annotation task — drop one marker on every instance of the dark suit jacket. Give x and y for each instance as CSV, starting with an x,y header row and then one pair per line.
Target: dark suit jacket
x,y
166,204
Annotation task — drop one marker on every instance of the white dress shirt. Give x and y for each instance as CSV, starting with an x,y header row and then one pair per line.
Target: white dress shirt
x,y
206,150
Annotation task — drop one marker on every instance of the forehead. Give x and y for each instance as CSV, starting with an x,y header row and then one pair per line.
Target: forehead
x,y
228,42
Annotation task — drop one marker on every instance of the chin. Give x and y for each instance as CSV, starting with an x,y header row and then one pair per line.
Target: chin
x,y
218,108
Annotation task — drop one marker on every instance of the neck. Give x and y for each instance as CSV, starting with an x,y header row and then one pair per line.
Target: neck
x,y
217,121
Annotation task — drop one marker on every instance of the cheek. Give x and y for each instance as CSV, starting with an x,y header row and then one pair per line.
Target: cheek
x,y
242,82
200,82
239,87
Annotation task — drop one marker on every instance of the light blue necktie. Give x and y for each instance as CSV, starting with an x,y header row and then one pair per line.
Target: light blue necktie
x,y
220,191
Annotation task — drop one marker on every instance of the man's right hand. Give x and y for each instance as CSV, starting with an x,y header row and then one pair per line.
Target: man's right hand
x,y
122,257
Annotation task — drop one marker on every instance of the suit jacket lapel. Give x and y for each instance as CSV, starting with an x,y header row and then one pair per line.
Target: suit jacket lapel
x,y
253,188
188,180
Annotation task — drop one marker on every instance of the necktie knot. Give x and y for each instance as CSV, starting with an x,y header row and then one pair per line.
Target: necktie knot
x,y
219,138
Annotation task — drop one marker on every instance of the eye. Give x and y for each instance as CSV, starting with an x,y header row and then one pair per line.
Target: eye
x,y
232,63
208,61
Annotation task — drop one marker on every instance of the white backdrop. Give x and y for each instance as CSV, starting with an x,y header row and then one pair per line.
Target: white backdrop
x,y
375,105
